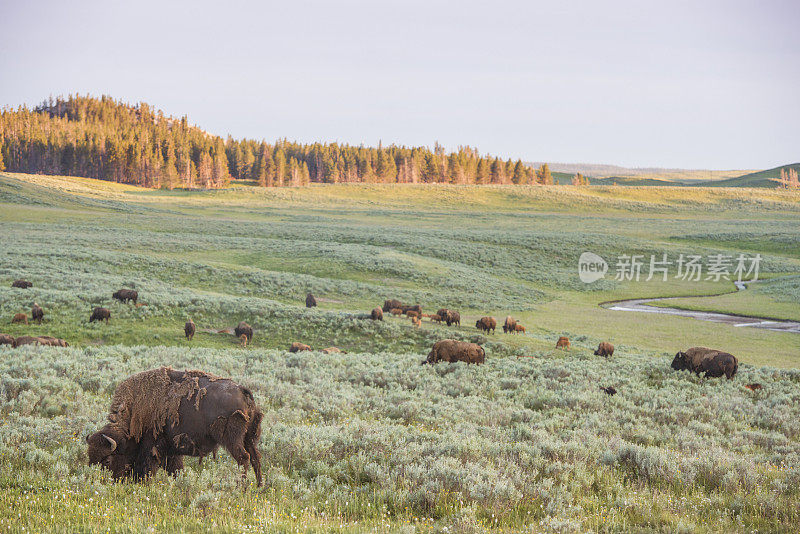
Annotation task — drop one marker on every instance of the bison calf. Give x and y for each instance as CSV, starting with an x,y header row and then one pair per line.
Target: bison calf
x,y
519,328
19,318
396,311
298,347
563,343
100,314
604,349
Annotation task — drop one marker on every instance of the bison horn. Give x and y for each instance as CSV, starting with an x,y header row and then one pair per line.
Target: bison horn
x,y
111,442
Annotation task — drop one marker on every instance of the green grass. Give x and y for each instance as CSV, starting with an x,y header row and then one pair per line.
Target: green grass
x,y
371,440
768,178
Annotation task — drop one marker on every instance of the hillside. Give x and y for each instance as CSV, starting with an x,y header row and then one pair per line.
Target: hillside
x,y
768,178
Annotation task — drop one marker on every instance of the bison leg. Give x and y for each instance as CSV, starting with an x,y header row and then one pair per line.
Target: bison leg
x,y
173,463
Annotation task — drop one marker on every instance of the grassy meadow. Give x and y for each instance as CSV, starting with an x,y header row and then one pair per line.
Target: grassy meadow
x,y
370,440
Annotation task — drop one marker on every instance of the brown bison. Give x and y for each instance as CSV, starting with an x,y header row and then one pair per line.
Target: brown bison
x,y
754,387
189,329
22,284
413,314
508,326
37,313
243,341
714,363
377,314
450,317
436,318
486,324
518,328
310,301
415,320
5,339
161,415
563,343
415,308
396,311
243,328
19,318
52,341
450,350
126,295
26,340
610,390
298,347
604,349
333,350
100,314
391,304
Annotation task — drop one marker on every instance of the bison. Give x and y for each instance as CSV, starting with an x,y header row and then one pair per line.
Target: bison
x,y
508,326
518,328
396,311
413,314
563,343
298,347
450,350
391,304
450,317
610,390
604,349
19,318
26,340
754,387
436,318
415,320
5,339
52,341
189,329
243,328
333,350
243,341
714,363
37,313
310,301
161,415
100,314
22,284
415,308
486,323
377,314
126,295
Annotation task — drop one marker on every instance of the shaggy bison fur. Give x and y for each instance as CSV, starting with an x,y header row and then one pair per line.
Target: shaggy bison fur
x,y
310,301
26,340
244,328
486,324
37,313
52,341
126,295
100,314
19,318
298,347
604,349
377,314
451,350
22,284
509,324
714,363
161,415
563,343
189,329
5,339
391,304
450,317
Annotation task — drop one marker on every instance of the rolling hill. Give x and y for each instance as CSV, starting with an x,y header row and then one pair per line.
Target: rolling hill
x,y
767,178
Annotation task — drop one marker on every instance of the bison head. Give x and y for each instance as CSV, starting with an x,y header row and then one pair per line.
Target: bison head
x,y
680,362
108,447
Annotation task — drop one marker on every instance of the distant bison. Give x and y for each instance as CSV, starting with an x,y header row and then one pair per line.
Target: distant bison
x,y
436,318
754,387
52,341
310,301
243,341
100,314
333,350
26,340
563,343
413,314
518,328
415,320
486,324
604,349
396,311
189,329
451,317
391,304
610,390
377,314
298,347
126,295
5,339
22,284
508,326
19,318
714,363
37,313
244,328
415,308
450,350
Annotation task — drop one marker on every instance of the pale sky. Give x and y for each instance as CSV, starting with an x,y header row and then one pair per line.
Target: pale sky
x,y
694,84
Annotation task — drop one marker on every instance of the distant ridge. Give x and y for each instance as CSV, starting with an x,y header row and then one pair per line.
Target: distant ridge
x,y
601,170
768,178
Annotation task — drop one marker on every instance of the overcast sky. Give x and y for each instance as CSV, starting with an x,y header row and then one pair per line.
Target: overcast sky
x,y
691,84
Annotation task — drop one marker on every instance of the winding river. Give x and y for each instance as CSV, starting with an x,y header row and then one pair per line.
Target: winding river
x,y
642,305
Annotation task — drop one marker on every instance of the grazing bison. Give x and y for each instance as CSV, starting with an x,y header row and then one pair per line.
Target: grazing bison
x,y
415,308
37,313
486,323
563,343
450,350
19,318
26,340
310,301
508,326
22,284
126,295
100,314
5,339
519,328
189,329
243,328
396,311
610,390
298,347
436,318
450,317
412,313
377,314
161,415
52,341
714,363
391,304
604,349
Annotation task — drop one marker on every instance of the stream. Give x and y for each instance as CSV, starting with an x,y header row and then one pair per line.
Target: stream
x,y
641,305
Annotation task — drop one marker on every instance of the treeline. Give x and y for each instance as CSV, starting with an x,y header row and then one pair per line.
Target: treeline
x,y
109,140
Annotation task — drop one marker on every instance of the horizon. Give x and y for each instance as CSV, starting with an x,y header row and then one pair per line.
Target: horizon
x,y
617,88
